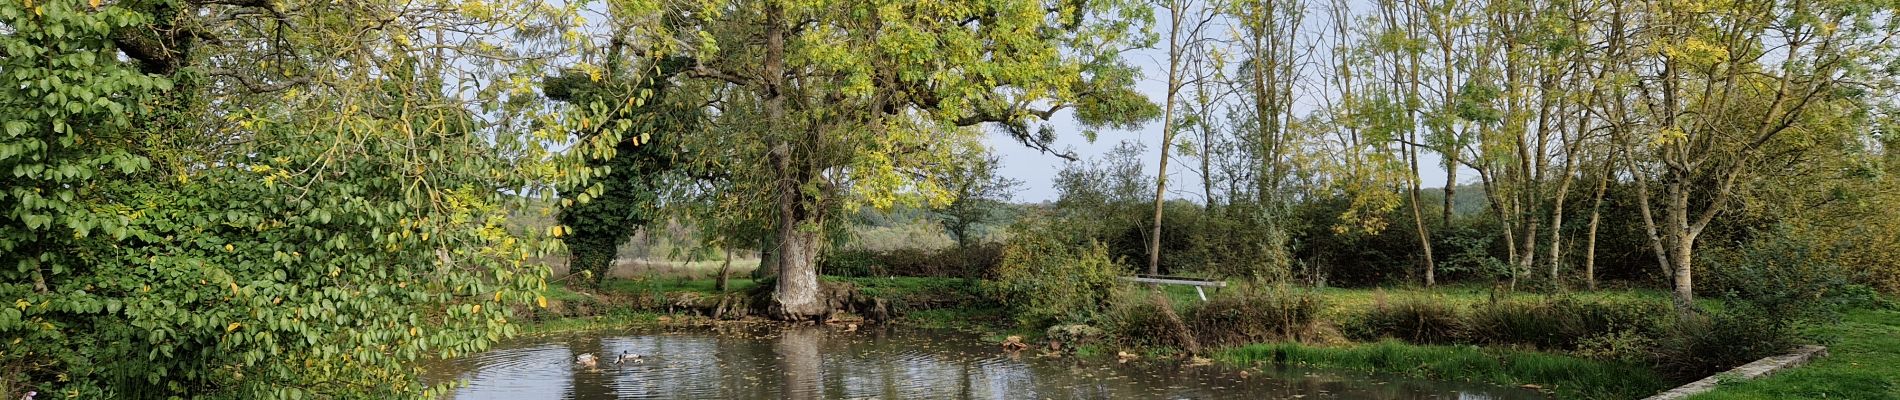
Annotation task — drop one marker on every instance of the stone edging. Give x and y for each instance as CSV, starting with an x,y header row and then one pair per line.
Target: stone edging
x,y
1759,368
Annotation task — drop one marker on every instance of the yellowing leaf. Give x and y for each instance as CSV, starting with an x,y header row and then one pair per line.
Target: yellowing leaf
x,y
232,327
541,301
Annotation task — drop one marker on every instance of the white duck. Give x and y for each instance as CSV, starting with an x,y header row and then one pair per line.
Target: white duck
x,y
587,360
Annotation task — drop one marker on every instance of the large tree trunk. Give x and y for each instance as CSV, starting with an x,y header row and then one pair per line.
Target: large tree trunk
x,y
798,296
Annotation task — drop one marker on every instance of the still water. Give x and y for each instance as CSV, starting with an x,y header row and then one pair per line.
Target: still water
x,y
877,363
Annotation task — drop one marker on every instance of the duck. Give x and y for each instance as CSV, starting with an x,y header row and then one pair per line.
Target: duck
x,y
1014,343
627,357
587,360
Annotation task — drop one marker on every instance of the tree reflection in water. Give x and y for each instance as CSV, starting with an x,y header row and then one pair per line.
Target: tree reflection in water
x,y
820,362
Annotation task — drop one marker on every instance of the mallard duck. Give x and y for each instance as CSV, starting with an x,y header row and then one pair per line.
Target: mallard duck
x,y
627,357
587,360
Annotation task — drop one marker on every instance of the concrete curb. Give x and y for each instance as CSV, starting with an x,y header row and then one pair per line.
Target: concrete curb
x,y
1759,368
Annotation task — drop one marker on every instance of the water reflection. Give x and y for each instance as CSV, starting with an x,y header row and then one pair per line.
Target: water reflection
x,y
818,362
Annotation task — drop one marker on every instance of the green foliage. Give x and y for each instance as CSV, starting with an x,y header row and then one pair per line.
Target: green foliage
x,y
977,193
175,225
827,106
1787,272
1045,278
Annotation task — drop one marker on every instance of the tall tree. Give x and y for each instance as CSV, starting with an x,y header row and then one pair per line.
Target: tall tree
x,y
1714,88
852,99
1186,22
977,193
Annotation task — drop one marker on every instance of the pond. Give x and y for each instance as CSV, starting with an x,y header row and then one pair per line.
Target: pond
x,y
880,363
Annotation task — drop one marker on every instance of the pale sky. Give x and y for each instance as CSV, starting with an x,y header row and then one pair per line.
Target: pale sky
x,y
1038,170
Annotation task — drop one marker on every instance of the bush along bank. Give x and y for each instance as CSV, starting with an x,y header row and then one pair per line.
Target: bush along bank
x,y
1575,346
938,302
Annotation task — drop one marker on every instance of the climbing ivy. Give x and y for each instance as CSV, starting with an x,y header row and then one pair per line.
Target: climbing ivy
x,y
644,135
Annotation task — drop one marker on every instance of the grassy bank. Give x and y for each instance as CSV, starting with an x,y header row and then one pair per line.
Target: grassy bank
x,y
617,320
1506,339
1568,377
1863,362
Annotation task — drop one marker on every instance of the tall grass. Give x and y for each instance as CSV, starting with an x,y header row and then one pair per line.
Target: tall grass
x,y
1256,314
1414,319
1568,377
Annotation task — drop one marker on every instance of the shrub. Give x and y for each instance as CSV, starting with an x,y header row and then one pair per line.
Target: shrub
x,y
1074,335
1135,319
853,263
1254,315
1417,320
1627,346
1561,323
1044,279
1703,344
977,261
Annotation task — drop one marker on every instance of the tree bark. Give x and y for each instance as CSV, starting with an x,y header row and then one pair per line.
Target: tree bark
x,y
798,295
1683,241
1418,213
1167,133
725,272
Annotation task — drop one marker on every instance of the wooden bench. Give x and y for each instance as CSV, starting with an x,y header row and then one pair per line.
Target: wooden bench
x,y
1198,284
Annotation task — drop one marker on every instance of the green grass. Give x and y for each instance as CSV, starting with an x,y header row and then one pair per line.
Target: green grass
x,y
675,285
1863,362
1568,377
621,319
1341,302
